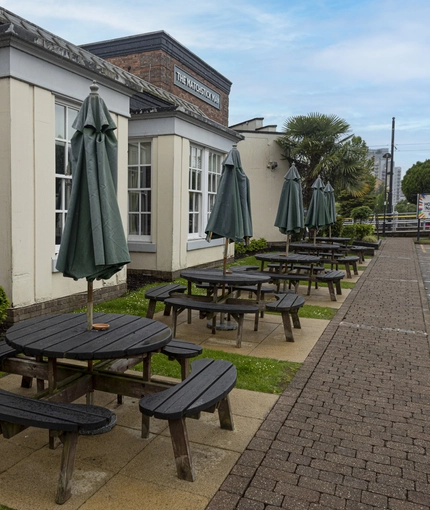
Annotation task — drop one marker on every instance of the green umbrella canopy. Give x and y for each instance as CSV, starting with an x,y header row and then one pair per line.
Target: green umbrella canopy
x,y
289,218
316,216
330,203
231,213
93,245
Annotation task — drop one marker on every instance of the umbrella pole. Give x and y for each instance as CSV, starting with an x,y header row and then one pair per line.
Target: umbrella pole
x,y
90,306
329,230
224,267
287,247
315,236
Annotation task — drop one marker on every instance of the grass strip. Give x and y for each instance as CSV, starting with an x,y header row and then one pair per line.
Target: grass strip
x,y
264,375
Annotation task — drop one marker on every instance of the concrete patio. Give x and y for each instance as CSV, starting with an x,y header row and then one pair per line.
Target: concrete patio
x,y
119,469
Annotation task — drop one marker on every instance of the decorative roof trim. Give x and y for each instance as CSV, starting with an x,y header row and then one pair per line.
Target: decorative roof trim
x,y
54,44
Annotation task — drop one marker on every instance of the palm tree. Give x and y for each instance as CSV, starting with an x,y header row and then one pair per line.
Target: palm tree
x,y
323,145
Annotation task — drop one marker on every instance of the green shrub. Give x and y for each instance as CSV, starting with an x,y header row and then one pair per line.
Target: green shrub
x,y
361,213
255,245
4,304
349,231
370,239
363,230
336,228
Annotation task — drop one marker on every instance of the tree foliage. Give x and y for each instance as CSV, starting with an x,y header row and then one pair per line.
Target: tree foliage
x,y
322,145
416,181
405,207
347,201
360,214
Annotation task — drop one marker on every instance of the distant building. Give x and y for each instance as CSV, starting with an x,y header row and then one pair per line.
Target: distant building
x,y
380,163
397,185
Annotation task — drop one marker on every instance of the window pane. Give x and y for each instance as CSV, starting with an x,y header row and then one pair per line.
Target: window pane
x,y
133,181
146,224
145,201
133,201
72,114
60,121
60,158
145,177
58,228
133,154
133,224
145,153
67,192
58,194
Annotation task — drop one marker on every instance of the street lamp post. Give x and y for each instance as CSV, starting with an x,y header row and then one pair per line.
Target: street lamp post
x,y
386,156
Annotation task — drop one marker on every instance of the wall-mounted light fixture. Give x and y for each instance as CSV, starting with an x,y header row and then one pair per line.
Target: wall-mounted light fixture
x,y
272,165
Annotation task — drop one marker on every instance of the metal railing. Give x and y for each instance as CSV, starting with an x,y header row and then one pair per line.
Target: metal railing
x,y
396,223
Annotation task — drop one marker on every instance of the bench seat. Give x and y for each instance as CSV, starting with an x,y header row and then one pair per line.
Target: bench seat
x,y
291,278
206,389
6,351
332,277
208,308
66,421
286,304
358,250
243,268
182,351
160,293
349,261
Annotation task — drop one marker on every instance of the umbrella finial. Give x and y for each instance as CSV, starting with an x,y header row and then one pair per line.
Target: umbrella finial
x,y
94,88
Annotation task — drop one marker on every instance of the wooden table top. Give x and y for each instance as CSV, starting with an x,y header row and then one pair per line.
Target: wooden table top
x,y
66,336
291,257
342,240
216,277
315,247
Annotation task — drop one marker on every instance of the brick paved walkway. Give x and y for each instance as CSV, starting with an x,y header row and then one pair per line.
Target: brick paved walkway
x,y
352,431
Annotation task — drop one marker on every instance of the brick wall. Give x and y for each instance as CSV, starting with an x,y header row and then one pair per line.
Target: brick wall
x,y
157,67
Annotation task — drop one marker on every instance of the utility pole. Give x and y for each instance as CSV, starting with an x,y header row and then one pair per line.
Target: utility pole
x,y
390,190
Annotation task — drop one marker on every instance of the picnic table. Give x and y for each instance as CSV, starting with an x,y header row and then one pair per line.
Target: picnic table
x,y
53,339
221,300
334,240
286,265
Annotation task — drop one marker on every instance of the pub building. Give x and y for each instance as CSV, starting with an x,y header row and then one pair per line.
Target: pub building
x,y
171,110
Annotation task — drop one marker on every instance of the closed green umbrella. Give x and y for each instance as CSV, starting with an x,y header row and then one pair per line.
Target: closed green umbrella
x,y
289,218
231,213
330,205
93,245
316,216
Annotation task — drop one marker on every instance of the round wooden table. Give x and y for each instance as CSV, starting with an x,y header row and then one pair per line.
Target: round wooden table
x,y
66,336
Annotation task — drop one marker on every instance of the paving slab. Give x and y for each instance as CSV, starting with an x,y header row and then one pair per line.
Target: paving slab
x,y
351,430
248,468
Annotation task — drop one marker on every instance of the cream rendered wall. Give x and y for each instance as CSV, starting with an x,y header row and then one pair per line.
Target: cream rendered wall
x,y
5,189
266,185
32,195
22,193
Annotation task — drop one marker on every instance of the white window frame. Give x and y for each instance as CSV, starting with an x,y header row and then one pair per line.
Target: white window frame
x,y
65,177
139,238
201,191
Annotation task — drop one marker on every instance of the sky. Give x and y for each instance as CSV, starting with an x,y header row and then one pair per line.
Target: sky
x,y
365,61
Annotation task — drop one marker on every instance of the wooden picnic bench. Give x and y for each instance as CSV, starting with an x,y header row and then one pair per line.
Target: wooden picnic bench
x,y
286,304
236,308
65,421
331,277
358,250
348,261
206,389
160,293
